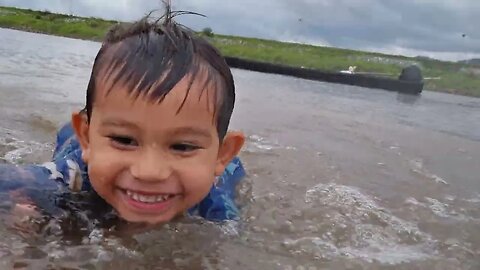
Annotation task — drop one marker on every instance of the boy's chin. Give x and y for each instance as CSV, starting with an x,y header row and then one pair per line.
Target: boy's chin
x,y
140,218
150,220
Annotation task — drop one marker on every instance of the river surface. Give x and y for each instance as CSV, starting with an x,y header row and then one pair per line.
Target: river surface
x,y
340,177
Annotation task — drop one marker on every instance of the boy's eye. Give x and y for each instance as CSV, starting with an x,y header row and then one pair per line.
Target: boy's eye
x,y
184,147
123,140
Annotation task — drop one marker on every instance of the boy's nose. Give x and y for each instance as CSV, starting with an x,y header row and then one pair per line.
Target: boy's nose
x,y
151,166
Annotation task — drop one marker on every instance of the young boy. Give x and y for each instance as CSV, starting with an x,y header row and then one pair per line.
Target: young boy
x,y
152,140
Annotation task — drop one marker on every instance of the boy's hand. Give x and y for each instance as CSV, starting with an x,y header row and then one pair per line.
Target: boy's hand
x,y
22,212
21,219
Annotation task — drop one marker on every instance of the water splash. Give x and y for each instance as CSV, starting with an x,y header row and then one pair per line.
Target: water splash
x,y
354,225
257,143
417,167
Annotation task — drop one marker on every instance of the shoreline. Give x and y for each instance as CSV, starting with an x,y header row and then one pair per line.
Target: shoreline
x,y
305,73
454,78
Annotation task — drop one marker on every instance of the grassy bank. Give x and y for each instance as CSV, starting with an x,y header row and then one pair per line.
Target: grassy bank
x,y
441,76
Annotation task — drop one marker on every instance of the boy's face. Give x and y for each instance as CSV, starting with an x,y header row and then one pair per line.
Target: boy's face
x,y
148,161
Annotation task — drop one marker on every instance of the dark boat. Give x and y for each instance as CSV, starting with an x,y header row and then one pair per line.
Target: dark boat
x,y
405,84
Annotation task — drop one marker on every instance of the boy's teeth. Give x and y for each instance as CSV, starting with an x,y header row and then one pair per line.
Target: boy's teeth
x,y
161,198
146,198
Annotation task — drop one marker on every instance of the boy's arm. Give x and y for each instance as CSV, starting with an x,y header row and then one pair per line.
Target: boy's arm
x,y
17,185
20,184
13,177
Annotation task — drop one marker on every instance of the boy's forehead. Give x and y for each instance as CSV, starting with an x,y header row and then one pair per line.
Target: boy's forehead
x,y
191,90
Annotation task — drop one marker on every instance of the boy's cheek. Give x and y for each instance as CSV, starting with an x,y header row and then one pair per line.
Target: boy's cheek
x,y
199,180
101,148
105,161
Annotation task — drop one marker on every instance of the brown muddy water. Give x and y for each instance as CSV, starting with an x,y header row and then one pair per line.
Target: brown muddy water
x,y
340,177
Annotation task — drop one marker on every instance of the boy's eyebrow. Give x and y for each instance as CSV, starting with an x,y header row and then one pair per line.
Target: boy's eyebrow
x,y
198,131
117,123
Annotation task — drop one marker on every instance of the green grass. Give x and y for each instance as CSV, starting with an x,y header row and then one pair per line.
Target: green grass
x,y
55,24
453,77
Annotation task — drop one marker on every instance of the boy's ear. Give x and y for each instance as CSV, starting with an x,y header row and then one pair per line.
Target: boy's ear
x,y
81,126
230,147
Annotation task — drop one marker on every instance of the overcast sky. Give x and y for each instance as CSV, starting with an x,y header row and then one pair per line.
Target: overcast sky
x,y
409,27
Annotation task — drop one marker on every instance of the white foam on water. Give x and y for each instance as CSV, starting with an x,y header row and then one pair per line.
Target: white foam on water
x,y
351,198
437,207
256,143
357,227
440,209
21,149
475,199
230,227
449,197
388,254
417,166
95,248
413,201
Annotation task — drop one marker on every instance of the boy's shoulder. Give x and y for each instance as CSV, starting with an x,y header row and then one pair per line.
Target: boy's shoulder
x,y
220,201
67,165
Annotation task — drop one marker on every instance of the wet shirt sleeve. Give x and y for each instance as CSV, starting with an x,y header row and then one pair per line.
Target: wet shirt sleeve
x,y
220,202
66,172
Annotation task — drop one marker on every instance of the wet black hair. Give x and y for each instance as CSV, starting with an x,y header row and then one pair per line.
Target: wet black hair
x,y
150,57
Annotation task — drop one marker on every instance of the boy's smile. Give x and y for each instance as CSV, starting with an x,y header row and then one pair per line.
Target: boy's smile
x,y
150,160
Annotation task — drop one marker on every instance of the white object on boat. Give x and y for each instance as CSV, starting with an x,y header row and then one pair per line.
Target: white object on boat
x,y
351,70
